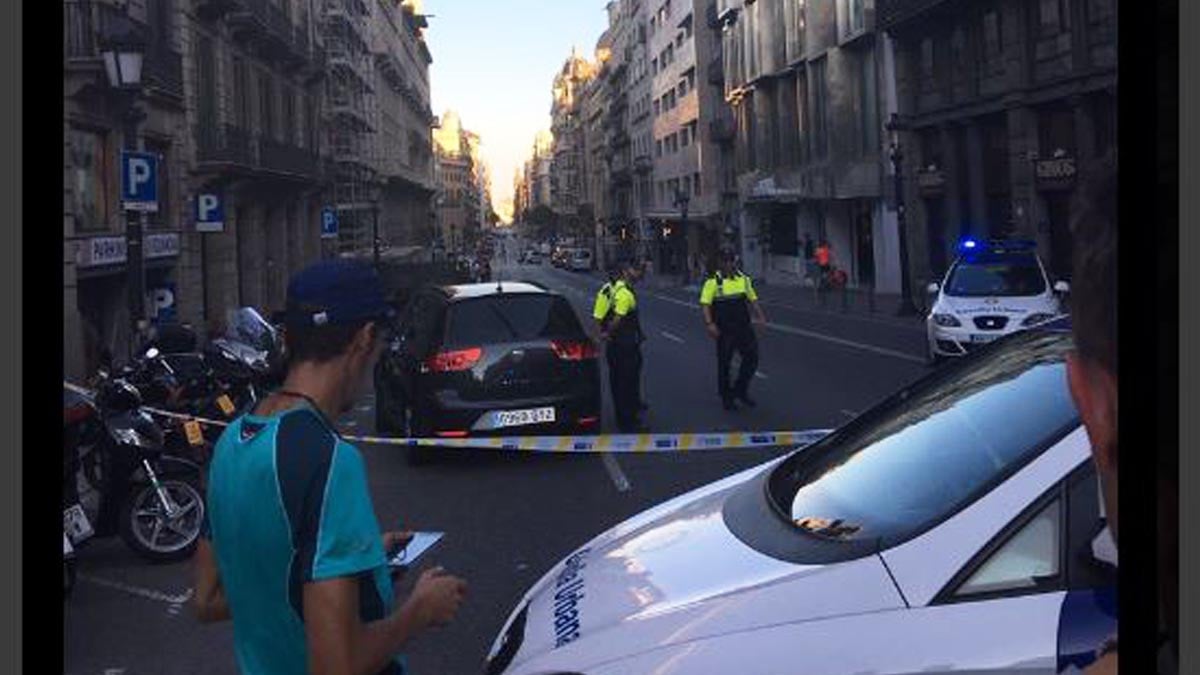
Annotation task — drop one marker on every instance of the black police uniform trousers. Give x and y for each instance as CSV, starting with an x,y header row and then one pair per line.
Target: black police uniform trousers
x,y
624,379
743,341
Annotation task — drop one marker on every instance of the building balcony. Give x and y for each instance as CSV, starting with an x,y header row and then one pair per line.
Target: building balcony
x,y
891,13
288,159
225,147
643,164
248,19
213,9
84,21
351,114
722,131
162,70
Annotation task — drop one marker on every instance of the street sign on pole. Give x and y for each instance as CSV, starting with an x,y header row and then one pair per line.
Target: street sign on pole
x,y
139,181
329,223
210,213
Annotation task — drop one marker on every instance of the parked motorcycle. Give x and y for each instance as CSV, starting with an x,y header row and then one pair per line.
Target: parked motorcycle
x,y
249,359
151,497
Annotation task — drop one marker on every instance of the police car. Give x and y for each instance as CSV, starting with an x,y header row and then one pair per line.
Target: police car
x,y
993,288
953,528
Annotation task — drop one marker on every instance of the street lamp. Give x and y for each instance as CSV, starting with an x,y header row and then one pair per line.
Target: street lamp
x,y
376,192
906,307
123,47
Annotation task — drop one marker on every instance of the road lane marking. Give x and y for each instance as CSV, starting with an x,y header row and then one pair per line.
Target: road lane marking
x,y
849,413
619,479
844,315
882,351
672,337
146,593
761,376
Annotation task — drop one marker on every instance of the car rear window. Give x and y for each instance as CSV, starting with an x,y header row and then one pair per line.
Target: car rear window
x,y
930,454
510,318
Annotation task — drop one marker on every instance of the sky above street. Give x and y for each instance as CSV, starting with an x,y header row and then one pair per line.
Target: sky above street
x,y
494,63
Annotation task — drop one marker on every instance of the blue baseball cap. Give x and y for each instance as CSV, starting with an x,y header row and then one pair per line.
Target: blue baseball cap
x,y
336,292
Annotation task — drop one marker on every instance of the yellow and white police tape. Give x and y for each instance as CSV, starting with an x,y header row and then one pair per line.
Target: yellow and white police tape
x,y
625,443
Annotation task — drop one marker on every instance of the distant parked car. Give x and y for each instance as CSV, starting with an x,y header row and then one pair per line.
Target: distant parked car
x,y
581,260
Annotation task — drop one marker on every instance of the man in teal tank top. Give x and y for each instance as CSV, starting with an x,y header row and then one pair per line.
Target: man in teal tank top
x,y
291,549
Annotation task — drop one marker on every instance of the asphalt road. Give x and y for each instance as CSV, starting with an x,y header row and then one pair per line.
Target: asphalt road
x,y
510,518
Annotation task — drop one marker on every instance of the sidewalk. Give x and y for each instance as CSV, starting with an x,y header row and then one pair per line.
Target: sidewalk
x,y
853,301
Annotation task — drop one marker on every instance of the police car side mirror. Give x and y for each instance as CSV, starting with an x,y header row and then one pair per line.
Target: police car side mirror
x,y
933,288
1062,287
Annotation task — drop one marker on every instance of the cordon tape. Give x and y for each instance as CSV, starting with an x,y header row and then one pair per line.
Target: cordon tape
x,y
630,443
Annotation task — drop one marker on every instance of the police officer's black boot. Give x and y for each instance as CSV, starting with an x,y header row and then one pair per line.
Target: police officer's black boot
x,y
745,398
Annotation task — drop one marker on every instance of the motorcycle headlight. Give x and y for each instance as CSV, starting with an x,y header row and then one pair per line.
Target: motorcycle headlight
x,y
946,320
1036,318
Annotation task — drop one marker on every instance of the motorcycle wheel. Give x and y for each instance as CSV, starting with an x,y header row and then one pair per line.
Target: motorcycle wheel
x,y
148,531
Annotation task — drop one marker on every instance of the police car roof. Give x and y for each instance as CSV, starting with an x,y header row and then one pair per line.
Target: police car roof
x,y
465,291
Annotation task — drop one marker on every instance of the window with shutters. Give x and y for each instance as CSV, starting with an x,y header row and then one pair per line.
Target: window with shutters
x,y
266,98
92,178
819,94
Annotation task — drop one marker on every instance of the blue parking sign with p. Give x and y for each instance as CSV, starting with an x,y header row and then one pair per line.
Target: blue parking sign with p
x,y
210,213
329,223
139,181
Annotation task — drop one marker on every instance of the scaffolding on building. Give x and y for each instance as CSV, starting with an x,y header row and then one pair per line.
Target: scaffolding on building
x,y
352,120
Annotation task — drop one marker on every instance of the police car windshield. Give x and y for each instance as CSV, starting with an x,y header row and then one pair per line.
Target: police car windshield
x,y
1000,275
928,454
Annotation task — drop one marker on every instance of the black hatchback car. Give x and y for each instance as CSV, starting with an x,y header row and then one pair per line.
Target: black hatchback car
x,y
487,360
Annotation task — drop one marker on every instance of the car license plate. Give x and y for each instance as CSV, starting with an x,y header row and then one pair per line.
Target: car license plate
x,y
517,418
225,404
983,338
75,523
194,435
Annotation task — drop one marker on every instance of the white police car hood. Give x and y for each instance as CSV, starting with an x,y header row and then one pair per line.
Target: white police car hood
x,y
676,574
1000,305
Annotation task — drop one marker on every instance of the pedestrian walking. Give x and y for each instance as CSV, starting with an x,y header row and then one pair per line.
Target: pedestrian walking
x,y
824,256
291,550
727,299
624,349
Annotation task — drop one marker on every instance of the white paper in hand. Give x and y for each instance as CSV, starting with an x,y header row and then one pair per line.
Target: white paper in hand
x,y
420,543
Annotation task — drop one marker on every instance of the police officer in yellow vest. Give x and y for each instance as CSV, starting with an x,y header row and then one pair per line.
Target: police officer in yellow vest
x,y
727,299
602,309
624,350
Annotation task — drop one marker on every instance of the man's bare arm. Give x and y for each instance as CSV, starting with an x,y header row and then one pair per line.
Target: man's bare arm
x,y
209,601
339,643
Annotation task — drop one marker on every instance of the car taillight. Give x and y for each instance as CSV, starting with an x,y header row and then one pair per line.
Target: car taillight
x,y
574,351
454,361
76,413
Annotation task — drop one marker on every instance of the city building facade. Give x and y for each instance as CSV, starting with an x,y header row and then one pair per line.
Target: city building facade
x,y
685,205
568,189
596,167
402,60
807,81
231,100
1002,105
458,183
